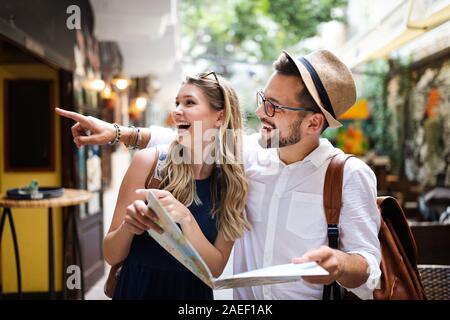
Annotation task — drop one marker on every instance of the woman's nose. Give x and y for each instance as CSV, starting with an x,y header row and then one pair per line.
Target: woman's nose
x,y
178,110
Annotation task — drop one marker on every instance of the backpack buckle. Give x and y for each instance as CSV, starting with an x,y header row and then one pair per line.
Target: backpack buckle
x,y
333,230
333,236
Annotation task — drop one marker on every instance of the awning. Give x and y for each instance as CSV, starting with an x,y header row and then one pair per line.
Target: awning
x,y
409,20
145,31
147,34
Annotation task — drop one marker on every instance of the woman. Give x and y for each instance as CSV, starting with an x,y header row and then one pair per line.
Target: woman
x,y
206,199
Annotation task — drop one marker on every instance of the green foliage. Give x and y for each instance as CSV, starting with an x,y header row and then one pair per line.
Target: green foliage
x,y
404,116
250,30
374,89
387,86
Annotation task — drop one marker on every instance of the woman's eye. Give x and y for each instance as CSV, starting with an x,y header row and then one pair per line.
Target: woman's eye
x,y
188,102
177,103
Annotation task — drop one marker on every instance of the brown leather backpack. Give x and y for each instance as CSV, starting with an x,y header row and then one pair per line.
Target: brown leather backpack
x,y
400,279
113,276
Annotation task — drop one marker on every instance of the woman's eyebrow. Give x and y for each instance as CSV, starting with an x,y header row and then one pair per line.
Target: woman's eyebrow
x,y
187,96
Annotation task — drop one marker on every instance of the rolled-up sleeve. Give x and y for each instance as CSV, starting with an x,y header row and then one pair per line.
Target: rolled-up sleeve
x,y
160,135
360,222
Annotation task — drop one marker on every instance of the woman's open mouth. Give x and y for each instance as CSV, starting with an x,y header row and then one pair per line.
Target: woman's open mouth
x,y
183,126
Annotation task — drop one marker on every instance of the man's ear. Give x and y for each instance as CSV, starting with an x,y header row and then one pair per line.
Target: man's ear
x,y
316,122
219,119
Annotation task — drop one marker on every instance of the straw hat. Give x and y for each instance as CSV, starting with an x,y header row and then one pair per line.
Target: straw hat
x,y
329,82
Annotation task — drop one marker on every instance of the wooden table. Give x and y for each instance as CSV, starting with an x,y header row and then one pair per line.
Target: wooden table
x,y
70,197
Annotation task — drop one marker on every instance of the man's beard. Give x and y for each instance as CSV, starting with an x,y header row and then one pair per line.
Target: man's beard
x,y
293,137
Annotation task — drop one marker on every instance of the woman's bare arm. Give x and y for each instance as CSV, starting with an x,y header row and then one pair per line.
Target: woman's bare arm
x,y
116,244
216,256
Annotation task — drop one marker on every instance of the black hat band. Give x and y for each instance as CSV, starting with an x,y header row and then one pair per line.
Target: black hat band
x,y
319,86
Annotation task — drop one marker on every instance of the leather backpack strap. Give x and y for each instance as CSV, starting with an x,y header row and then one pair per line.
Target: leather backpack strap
x,y
151,182
332,203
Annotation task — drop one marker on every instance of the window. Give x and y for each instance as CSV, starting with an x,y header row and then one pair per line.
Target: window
x,y
28,130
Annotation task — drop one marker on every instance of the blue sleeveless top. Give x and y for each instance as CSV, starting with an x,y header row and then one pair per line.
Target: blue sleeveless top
x,y
150,272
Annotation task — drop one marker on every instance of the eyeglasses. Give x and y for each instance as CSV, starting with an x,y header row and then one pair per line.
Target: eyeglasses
x,y
270,107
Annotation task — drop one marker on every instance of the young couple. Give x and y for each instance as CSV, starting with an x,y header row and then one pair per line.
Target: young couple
x,y
270,206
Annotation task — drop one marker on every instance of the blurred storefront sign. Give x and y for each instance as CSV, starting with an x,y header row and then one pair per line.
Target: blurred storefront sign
x,y
406,22
359,111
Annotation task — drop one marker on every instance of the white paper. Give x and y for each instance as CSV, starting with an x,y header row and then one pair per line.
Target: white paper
x,y
271,275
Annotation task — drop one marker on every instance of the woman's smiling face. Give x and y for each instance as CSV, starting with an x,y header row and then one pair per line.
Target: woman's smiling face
x,y
193,109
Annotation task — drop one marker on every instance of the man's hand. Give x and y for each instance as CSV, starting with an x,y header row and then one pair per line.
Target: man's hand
x,y
330,259
350,270
88,130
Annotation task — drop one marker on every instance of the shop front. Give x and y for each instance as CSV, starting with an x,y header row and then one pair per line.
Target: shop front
x,y
44,64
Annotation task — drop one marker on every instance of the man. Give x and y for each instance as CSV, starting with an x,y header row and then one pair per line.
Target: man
x,y
302,98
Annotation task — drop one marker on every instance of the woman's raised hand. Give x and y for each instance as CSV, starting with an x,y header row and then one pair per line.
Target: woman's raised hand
x,y
88,130
178,211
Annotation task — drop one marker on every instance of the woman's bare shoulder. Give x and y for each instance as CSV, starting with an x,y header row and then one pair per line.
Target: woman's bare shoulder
x,y
144,158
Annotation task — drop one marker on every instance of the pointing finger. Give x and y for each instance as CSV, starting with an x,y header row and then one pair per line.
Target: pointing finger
x,y
71,115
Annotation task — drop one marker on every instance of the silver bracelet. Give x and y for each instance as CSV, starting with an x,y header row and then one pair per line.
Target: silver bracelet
x,y
135,138
139,139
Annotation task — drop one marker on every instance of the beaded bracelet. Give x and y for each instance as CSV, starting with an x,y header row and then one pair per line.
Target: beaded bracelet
x,y
117,137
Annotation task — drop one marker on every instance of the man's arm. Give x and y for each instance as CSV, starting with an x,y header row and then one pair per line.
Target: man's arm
x,y
356,266
360,222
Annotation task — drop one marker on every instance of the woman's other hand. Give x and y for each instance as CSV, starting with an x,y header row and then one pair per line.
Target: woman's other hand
x,y
139,218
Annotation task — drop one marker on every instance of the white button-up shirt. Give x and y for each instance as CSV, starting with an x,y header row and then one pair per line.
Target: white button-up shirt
x,y
285,209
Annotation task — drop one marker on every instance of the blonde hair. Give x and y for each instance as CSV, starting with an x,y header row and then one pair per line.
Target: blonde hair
x,y
230,181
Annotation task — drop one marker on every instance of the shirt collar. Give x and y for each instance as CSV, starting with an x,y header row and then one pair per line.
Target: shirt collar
x,y
317,157
322,153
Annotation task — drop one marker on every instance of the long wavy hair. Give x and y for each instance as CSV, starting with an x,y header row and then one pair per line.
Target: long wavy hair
x,y
229,185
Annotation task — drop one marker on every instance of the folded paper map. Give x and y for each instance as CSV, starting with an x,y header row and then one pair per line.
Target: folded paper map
x,y
173,240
